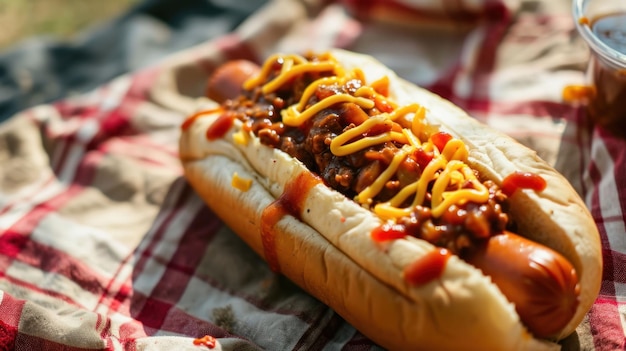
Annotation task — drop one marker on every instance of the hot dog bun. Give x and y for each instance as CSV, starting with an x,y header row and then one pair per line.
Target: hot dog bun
x,y
329,252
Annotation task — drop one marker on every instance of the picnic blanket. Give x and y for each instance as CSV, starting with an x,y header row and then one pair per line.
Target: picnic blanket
x,y
104,245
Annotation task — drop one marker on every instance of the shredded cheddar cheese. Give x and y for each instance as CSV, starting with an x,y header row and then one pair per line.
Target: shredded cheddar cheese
x,y
371,191
578,93
241,137
292,117
340,145
240,183
444,181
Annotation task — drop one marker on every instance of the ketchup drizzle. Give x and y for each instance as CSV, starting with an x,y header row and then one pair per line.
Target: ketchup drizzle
x,y
206,340
440,139
522,180
427,268
221,125
388,232
289,203
189,121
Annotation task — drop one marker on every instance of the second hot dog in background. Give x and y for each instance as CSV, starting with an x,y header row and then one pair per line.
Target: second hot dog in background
x,y
373,194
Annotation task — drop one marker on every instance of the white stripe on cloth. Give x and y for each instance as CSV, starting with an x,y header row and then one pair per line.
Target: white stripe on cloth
x,y
608,196
52,282
72,327
30,200
266,328
165,247
94,247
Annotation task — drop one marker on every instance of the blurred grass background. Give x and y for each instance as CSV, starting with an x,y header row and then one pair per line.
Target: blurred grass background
x,y
60,18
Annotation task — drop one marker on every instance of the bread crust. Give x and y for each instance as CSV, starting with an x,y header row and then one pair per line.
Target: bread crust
x,y
330,254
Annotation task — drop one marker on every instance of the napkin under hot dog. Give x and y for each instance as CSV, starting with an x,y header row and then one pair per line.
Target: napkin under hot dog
x,y
103,245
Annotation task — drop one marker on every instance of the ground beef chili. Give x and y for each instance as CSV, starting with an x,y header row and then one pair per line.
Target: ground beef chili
x,y
456,230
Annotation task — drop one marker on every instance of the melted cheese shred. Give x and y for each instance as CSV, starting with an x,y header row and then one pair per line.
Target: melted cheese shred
x,y
453,181
340,145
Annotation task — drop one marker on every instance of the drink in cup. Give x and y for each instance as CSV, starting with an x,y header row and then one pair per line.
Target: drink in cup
x,y
602,24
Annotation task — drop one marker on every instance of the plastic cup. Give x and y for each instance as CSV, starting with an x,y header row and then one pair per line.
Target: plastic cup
x,y
602,24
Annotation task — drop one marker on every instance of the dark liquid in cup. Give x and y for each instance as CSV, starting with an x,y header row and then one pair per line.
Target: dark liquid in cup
x,y
608,105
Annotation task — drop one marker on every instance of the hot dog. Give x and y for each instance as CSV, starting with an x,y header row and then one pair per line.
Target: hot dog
x,y
420,226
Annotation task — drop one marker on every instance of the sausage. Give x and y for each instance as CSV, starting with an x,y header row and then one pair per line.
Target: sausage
x,y
225,83
541,283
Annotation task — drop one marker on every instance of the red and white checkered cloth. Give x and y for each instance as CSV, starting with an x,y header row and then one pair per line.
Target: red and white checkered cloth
x,y
103,245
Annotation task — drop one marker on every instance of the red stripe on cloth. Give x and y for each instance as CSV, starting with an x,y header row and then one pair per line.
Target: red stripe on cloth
x,y
10,313
83,107
11,309
606,325
177,320
486,59
179,270
14,239
492,10
15,281
144,142
444,85
604,316
69,108
358,343
153,312
11,243
164,315
8,334
321,329
181,322
115,124
453,10
121,294
159,316
178,195
51,260
121,300
129,332
328,332
614,263
105,333
608,272
583,141
192,246
118,121
135,147
497,10
481,68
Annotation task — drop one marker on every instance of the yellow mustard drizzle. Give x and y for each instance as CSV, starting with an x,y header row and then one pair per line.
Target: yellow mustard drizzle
x,y
367,194
454,182
292,117
287,60
298,114
339,146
